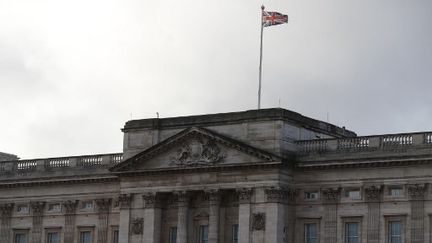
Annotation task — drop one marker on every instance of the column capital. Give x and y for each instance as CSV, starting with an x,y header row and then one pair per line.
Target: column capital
x,y
416,191
214,196
6,209
70,206
331,195
182,198
244,195
279,194
151,200
373,193
125,201
103,205
37,208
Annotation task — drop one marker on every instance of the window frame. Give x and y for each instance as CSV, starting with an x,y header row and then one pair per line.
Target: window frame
x,y
171,230
114,229
402,220
201,233
234,233
305,238
306,195
396,187
21,231
82,229
358,219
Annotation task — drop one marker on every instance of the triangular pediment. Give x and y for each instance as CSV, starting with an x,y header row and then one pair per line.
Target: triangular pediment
x,y
195,148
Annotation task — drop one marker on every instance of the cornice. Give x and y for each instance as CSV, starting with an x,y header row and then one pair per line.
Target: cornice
x,y
44,182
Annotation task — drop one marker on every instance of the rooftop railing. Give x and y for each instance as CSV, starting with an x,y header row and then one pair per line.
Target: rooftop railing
x,y
365,142
25,166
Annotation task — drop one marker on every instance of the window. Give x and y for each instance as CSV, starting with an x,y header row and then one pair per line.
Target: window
x,y
203,234
351,232
395,232
20,238
235,229
85,237
54,207
115,236
87,205
396,191
311,195
352,193
173,235
22,209
311,233
53,237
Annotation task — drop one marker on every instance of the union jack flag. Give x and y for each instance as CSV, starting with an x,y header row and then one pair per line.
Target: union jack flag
x,y
273,18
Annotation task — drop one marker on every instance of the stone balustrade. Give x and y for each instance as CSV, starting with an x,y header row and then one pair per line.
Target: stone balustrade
x,y
23,166
365,142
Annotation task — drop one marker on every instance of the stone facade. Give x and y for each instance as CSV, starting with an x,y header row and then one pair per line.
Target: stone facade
x,y
261,176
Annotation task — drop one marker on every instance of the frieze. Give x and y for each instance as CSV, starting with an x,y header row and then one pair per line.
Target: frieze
x,y
70,206
331,195
103,205
373,193
137,226
37,207
244,195
199,151
417,191
258,221
125,201
6,209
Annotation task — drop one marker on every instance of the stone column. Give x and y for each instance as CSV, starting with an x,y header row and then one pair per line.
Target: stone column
x,y
152,218
103,209
373,197
5,230
416,193
244,198
37,217
330,197
182,217
214,197
276,197
70,209
124,224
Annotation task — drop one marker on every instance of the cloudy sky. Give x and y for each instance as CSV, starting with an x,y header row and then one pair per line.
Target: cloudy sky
x,y
73,72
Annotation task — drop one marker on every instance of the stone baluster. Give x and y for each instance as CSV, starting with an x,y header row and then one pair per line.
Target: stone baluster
x,y
70,210
373,198
214,197
152,218
37,217
124,224
330,199
103,209
5,230
276,200
244,221
182,216
416,193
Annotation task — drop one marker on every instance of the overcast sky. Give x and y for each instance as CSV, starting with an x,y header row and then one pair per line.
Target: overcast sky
x,y
73,72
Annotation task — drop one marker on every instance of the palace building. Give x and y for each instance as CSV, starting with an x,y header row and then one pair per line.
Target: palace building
x,y
258,176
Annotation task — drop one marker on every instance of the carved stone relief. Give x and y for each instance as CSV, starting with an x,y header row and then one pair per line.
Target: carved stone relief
x,y
199,151
137,226
416,191
103,205
258,221
373,193
331,195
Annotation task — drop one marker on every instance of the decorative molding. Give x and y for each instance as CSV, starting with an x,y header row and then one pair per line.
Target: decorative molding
x,y
137,226
151,200
70,206
258,221
6,209
330,195
103,205
198,151
244,195
417,191
202,215
373,193
37,208
125,201
279,194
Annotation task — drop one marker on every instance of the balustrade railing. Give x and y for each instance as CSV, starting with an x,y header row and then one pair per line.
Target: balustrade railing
x,y
366,142
24,166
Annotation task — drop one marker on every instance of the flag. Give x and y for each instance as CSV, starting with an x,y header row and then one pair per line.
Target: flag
x,y
273,18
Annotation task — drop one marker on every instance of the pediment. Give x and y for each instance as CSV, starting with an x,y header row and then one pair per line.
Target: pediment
x,y
195,148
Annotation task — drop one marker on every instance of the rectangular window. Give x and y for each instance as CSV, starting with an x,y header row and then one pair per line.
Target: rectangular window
x,y
235,229
85,237
203,233
22,209
353,194
54,207
395,232
20,238
53,237
351,232
173,235
311,234
87,205
115,236
311,195
396,191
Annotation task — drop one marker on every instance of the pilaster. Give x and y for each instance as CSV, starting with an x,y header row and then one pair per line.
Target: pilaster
x,y
330,199
37,217
244,198
182,216
416,193
152,218
373,196
125,204
103,209
69,209
5,230
214,197
276,198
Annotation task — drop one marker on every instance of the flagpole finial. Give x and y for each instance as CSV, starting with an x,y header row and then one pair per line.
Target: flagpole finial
x,y
262,7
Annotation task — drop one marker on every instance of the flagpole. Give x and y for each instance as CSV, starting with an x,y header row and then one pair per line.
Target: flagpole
x,y
260,64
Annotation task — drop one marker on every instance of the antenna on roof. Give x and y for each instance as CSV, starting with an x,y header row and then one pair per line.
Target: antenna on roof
x,y
157,115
